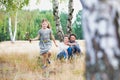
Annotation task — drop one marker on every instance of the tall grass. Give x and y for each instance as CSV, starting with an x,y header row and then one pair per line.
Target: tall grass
x,y
22,67
12,64
21,61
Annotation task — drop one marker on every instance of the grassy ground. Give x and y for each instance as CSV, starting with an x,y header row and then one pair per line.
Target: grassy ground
x,y
21,61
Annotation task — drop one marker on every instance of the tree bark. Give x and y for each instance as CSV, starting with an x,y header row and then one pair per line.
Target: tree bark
x,y
10,30
101,25
15,30
57,20
12,35
70,16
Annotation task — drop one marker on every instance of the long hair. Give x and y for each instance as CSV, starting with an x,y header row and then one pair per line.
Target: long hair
x,y
45,20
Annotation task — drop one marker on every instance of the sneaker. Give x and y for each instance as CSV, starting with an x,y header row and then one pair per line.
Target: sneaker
x,y
43,67
48,61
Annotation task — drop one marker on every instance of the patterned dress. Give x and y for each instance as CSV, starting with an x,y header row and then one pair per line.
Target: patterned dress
x,y
45,42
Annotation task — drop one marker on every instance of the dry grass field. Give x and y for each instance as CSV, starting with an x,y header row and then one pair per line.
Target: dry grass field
x,y
21,61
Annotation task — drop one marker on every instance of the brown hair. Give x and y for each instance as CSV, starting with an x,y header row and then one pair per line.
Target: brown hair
x,y
66,35
45,20
72,35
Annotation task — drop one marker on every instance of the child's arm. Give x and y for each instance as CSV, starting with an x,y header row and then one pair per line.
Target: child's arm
x,y
36,38
52,37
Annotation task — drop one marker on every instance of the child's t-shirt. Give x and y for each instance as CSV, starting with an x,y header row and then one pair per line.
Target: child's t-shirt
x,y
45,34
62,47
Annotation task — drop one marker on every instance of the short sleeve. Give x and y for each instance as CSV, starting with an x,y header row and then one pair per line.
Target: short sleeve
x,y
39,32
51,34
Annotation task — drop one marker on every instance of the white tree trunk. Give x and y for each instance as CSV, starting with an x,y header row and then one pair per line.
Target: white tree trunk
x,y
12,34
101,24
10,30
15,30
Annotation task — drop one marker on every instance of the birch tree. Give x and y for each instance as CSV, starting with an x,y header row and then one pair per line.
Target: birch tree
x,y
57,19
70,16
101,24
12,7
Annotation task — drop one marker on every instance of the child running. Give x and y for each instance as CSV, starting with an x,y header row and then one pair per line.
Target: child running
x,y
45,35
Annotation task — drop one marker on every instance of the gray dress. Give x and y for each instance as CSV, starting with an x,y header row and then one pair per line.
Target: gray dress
x,y
45,42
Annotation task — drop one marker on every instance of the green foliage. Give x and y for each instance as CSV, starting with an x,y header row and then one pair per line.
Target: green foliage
x,y
28,21
63,20
77,26
13,5
3,28
31,22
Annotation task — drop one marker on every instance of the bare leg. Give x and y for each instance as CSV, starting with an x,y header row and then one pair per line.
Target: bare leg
x,y
49,54
45,56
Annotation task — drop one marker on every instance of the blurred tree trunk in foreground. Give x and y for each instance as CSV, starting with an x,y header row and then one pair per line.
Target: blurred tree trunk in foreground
x,y
101,24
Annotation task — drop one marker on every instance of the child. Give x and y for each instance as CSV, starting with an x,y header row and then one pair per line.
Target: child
x,y
74,46
44,35
63,46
